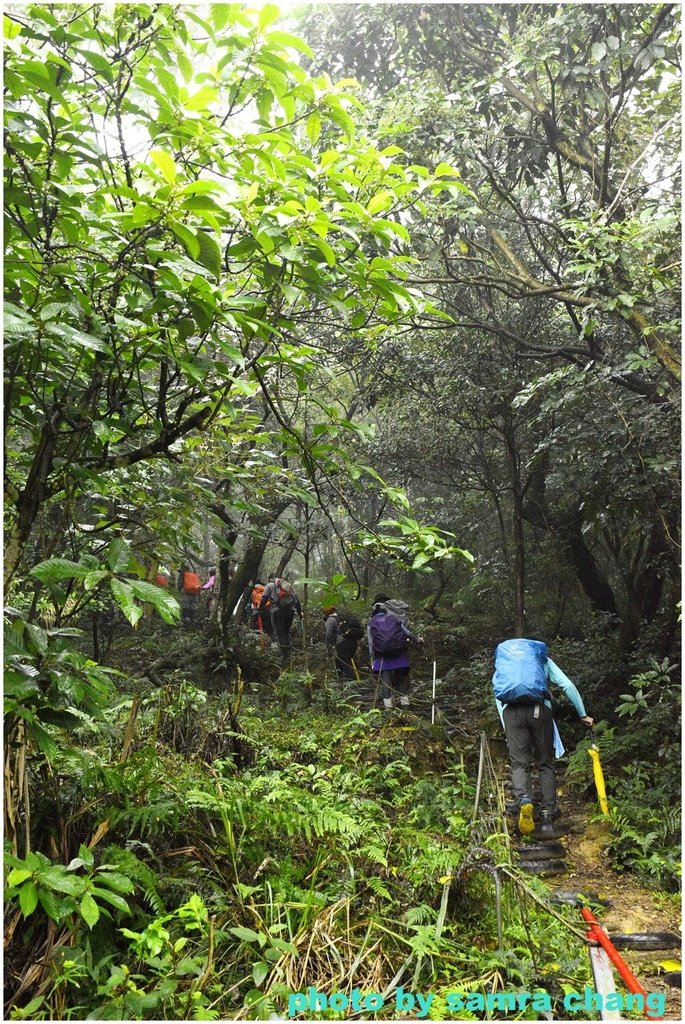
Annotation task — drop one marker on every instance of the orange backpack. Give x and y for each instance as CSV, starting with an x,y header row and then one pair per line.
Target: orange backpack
x,y
256,595
191,583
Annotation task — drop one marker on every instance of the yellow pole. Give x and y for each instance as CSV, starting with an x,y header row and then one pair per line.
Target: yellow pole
x,y
593,754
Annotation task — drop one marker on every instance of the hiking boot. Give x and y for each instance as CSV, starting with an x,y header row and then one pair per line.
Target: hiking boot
x,y
526,822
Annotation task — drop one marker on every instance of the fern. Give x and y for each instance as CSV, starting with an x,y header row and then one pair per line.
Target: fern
x,y
201,1012
378,888
420,914
138,872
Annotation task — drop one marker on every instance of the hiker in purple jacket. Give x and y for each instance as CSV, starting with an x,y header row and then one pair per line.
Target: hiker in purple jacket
x,y
388,649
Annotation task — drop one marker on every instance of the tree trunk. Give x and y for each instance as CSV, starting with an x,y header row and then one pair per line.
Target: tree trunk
x,y
247,568
568,527
290,548
519,577
590,575
30,499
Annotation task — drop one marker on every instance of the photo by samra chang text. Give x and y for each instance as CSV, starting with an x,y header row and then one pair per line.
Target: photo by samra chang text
x,y
312,1002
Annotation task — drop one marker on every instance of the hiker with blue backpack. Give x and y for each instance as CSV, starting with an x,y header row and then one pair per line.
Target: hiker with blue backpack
x,y
389,636
280,602
523,671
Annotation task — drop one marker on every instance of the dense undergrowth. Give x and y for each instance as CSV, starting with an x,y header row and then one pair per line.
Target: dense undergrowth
x,y
190,889
203,853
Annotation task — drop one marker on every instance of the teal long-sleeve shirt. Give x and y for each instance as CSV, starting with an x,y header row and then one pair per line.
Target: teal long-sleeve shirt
x,y
555,675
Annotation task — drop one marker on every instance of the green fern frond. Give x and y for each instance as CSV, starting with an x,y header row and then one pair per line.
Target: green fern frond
x,y
378,887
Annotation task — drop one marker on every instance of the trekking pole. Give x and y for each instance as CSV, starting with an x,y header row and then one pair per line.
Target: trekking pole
x,y
593,754
355,670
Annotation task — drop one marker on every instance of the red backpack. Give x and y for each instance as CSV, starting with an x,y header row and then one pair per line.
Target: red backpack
x,y
191,583
284,593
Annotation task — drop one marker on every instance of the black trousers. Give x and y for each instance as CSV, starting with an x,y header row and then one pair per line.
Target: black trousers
x,y
345,651
530,740
281,621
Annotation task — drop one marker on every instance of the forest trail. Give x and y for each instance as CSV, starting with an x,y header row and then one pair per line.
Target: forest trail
x,y
631,907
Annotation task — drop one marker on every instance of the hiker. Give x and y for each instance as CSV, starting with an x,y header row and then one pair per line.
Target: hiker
x,y
343,633
209,588
280,602
189,585
261,621
162,577
388,638
523,671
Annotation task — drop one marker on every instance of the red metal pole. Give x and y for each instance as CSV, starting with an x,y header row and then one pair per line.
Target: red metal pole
x,y
598,934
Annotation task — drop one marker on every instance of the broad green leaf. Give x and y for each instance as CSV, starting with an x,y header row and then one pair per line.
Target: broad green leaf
x,y
201,99
51,904
163,602
221,15
38,637
113,898
185,66
11,29
199,187
381,201
17,876
93,578
99,63
90,912
124,597
247,935
118,555
86,855
328,252
165,163
187,239
56,569
267,15
28,898
285,947
259,972
114,879
210,253
286,39
447,170
313,127
44,741
341,118
56,878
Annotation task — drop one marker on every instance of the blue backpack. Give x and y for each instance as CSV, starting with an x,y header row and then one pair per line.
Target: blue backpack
x,y
520,676
387,635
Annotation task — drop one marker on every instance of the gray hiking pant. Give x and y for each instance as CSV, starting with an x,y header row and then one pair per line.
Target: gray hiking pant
x,y
189,606
395,681
530,739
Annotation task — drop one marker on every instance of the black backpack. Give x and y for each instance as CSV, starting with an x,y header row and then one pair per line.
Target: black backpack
x,y
350,628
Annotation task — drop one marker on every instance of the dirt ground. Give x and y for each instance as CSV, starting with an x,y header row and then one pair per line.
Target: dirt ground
x,y
632,907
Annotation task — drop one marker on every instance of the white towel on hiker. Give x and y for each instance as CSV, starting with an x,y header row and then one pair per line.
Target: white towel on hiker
x,y
559,750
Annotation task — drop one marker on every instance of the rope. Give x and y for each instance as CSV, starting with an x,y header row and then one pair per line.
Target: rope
x,y
485,823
